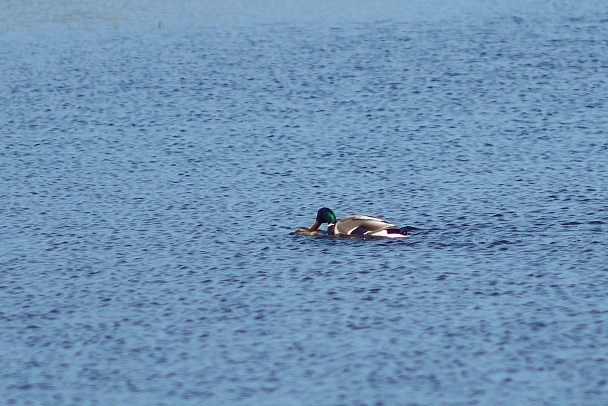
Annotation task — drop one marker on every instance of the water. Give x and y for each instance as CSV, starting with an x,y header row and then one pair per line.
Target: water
x,y
151,174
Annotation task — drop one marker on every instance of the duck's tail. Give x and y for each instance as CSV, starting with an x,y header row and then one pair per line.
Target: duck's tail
x,y
397,232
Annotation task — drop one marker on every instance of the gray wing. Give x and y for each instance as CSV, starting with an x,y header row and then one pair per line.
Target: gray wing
x,y
359,224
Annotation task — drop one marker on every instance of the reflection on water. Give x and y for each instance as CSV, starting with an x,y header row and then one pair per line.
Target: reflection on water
x,y
209,12
151,178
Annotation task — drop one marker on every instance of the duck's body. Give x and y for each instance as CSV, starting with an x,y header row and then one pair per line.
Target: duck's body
x,y
356,225
361,225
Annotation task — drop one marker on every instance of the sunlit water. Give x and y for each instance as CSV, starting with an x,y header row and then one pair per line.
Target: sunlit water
x,y
151,176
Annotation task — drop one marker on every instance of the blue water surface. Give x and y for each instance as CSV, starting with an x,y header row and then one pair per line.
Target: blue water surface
x,y
152,170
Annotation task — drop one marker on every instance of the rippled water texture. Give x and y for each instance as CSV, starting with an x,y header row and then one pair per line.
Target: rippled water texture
x,y
151,174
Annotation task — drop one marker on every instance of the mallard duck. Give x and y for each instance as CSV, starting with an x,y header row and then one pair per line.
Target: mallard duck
x,y
355,225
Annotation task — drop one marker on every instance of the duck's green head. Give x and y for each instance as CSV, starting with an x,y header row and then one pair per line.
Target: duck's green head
x,y
326,215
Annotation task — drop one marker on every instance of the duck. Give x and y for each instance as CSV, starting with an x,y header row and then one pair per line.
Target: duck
x,y
354,225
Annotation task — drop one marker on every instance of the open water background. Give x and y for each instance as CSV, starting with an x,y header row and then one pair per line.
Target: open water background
x,y
153,162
